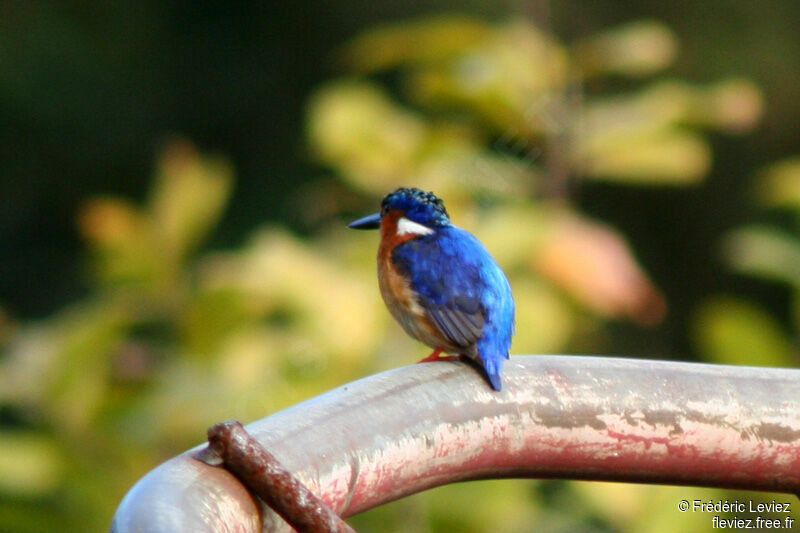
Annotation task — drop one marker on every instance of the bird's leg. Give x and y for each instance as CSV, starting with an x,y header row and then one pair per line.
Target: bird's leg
x,y
436,357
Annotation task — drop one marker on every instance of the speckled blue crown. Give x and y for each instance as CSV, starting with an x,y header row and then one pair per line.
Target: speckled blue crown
x,y
418,205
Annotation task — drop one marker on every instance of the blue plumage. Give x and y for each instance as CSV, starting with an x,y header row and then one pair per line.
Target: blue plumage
x,y
440,282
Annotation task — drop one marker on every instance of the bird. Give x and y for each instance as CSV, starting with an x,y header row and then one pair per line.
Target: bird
x,y
440,283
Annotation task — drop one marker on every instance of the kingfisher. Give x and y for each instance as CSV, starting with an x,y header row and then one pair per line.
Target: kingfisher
x,y
440,283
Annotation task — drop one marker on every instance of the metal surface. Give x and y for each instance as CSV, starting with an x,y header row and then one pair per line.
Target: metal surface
x,y
412,428
230,445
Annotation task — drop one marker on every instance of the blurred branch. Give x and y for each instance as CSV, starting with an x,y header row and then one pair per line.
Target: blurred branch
x,y
416,427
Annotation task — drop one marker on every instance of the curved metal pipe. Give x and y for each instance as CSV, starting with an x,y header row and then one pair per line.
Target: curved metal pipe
x,y
403,431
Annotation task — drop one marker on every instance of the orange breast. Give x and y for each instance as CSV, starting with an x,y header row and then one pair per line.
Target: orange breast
x,y
398,295
396,292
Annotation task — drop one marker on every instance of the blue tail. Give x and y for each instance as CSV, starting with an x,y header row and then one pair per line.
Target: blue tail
x,y
492,368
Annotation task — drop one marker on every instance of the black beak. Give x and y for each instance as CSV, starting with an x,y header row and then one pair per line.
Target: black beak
x,y
372,221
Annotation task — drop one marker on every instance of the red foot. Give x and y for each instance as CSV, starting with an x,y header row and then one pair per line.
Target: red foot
x,y
436,357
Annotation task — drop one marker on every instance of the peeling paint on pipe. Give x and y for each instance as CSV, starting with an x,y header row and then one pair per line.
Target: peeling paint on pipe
x,y
403,431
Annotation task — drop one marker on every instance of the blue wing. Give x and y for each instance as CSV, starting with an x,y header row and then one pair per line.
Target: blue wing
x,y
462,288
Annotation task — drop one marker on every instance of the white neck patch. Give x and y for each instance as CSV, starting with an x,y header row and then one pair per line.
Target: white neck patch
x,y
405,226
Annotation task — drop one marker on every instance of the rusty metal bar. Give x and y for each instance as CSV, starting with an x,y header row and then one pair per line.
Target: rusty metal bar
x,y
230,445
569,417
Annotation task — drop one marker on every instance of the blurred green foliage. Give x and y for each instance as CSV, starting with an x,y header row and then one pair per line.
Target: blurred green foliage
x,y
502,120
737,331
